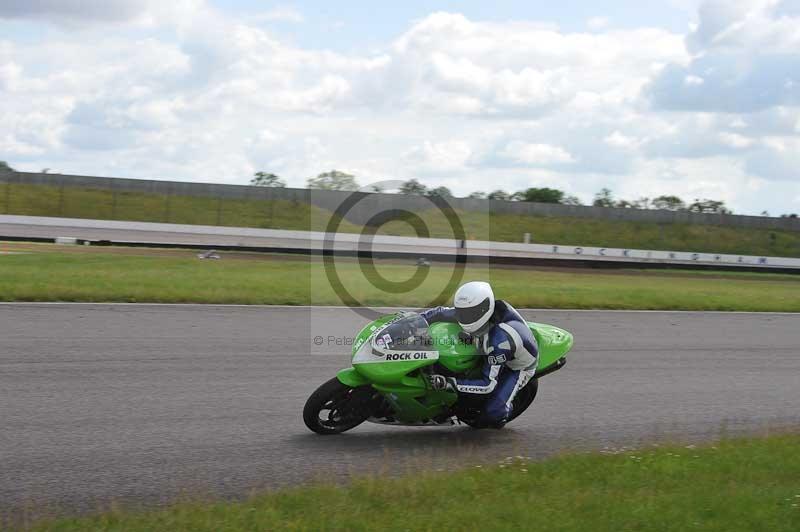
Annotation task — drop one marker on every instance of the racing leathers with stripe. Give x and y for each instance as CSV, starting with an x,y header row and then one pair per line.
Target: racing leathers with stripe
x,y
510,361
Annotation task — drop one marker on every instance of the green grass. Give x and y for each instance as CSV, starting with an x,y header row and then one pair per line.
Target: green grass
x,y
76,202
735,485
102,276
610,233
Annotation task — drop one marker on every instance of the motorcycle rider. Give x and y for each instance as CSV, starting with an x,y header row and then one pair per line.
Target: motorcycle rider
x,y
502,336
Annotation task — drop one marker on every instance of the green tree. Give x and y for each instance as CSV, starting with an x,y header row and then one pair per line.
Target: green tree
x,y
668,203
412,186
708,206
265,179
542,195
477,195
571,200
4,167
333,180
604,198
442,192
498,195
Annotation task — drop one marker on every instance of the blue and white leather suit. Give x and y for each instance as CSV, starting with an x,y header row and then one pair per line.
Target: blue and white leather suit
x,y
511,357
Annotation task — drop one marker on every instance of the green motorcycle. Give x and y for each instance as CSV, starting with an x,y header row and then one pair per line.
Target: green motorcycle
x,y
392,357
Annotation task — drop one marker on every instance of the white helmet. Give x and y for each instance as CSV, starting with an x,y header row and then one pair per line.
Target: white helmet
x,y
474,303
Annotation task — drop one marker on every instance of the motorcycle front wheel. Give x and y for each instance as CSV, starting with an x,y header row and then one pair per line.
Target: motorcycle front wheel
x,y
335,407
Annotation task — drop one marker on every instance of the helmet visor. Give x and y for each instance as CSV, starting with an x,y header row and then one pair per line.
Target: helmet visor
x,y
469,315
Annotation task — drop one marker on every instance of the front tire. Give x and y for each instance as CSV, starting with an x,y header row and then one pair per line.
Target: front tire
x,y
335,407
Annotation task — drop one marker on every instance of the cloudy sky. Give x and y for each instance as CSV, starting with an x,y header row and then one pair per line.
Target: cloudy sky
x,y
698,99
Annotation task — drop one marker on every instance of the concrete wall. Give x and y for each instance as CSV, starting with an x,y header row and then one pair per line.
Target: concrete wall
x,y
373,204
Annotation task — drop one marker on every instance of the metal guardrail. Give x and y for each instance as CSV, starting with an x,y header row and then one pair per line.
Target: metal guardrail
x,y
313,242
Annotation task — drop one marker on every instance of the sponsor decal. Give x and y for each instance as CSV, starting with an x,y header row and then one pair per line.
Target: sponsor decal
x,y
471,389
499,359
419,355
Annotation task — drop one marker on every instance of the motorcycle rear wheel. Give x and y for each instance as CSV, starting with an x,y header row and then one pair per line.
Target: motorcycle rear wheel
x,y
524,399
334,407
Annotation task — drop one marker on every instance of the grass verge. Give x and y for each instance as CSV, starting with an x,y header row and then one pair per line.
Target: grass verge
x,y
751,484
79,202
181,278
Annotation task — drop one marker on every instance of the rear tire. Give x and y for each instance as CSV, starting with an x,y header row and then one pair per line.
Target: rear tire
x,y
335,407
524,399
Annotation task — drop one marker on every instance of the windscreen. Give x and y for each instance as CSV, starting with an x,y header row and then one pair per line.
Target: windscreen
x,y
409,333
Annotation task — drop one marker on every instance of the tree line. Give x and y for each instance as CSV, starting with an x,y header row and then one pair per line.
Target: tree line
x,y
337,180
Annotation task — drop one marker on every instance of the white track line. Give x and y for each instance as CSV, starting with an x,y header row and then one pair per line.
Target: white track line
x,y
340,307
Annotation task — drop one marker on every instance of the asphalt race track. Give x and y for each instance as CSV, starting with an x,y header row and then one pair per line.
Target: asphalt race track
x,y
143,403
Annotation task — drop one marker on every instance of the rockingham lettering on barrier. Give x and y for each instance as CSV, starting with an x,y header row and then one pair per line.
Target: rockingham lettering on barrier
x,y
314,241
671,256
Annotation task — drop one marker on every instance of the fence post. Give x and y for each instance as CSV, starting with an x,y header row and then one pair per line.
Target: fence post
x,y
271,203
61,197
113,202
167,206
8,196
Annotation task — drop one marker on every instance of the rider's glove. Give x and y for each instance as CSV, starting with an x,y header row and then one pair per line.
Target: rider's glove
x,y
440,383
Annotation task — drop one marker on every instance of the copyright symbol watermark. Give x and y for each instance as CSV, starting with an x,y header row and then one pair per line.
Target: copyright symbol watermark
x,y
318,340
388,211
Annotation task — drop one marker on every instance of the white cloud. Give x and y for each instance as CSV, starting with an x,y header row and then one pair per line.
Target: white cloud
x,y
191,92
280,14
598,23
440,156
10,75
745,60
536,154
734,140
618,140
693,80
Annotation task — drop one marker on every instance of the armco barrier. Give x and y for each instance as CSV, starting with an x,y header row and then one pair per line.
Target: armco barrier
x,y
379,202
200,236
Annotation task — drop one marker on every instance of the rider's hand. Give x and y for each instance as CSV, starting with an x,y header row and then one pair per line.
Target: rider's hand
x,y
440,383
